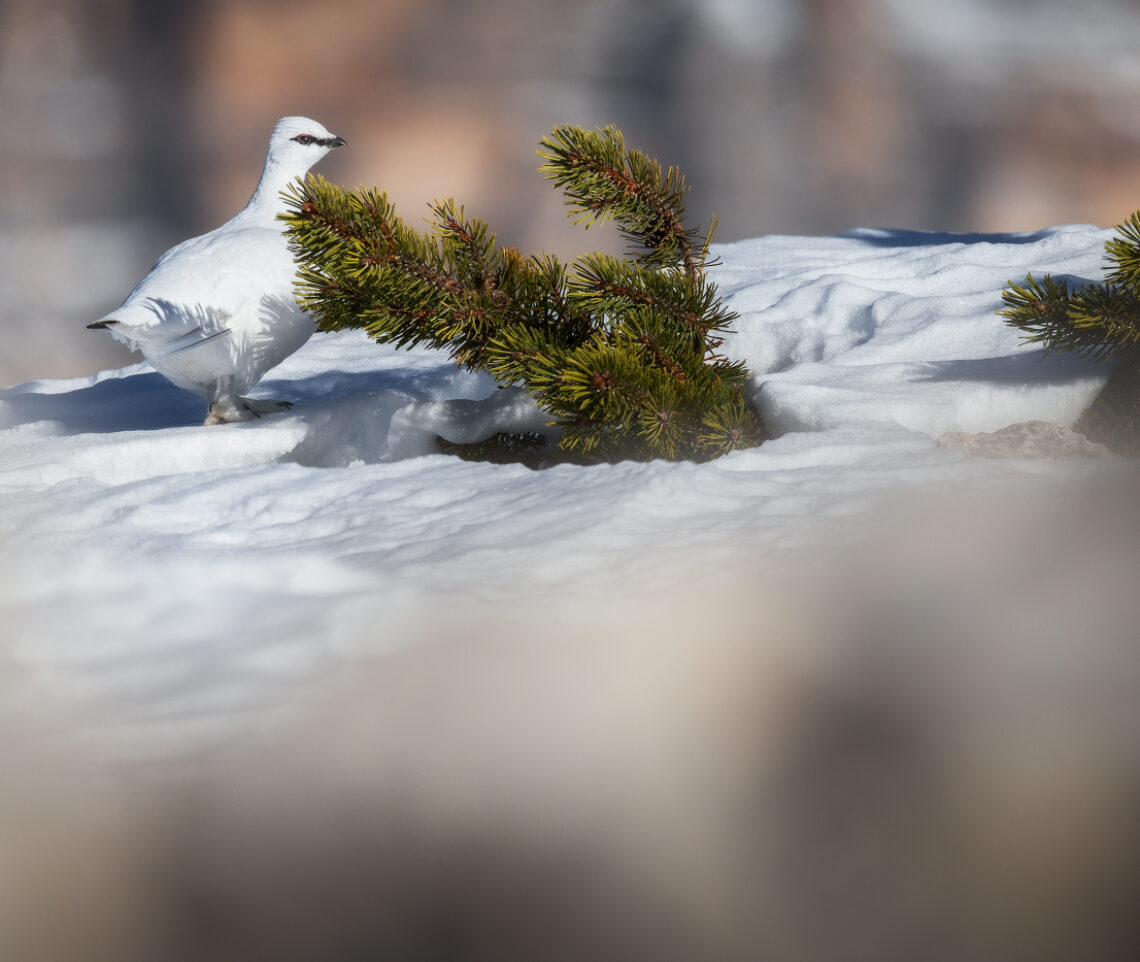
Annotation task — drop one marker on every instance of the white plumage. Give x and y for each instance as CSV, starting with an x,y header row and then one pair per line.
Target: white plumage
x,y
217,311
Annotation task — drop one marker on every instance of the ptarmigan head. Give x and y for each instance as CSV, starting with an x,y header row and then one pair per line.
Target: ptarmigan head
x,y
298,143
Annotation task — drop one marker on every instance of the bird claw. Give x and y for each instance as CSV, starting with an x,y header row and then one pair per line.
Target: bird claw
x,y
231,410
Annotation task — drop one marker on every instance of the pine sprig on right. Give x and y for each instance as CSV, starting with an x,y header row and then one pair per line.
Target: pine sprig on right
x,y
1099,321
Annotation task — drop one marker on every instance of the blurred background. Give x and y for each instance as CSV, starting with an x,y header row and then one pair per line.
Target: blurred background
x,y
129,125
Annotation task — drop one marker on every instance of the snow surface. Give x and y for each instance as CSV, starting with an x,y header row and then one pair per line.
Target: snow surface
x,y
179,577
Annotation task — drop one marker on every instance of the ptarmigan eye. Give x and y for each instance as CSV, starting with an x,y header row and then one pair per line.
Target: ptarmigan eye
x,y
305,139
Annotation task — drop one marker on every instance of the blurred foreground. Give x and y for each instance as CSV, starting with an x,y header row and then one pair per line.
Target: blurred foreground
x,y
922,748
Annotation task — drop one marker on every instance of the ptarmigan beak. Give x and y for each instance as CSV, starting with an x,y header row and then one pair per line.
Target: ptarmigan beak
x,y
337,142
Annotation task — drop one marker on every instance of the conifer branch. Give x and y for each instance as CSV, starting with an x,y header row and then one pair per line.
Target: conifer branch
x,y
1098,321
603,180
622,354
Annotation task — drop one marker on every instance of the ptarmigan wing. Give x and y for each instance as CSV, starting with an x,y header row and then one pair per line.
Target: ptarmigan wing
x,y
205,283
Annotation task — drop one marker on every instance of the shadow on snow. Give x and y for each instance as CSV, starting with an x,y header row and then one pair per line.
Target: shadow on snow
x,y
884,237
146,401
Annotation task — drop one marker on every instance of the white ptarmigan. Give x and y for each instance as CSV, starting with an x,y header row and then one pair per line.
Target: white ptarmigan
x,y
217,311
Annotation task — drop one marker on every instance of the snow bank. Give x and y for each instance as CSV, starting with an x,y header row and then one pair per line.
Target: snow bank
x,y
899,327
183,574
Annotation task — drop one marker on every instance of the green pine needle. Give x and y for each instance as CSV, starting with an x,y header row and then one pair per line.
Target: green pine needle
x,y
622,354
1123,253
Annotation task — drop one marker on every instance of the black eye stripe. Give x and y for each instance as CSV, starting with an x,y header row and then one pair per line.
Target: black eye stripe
x,y
306,139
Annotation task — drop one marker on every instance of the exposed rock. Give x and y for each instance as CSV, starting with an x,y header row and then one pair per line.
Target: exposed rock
x,y
1031,440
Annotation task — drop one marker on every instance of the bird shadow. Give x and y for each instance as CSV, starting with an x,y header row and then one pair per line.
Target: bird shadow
x,y
145,401
421,384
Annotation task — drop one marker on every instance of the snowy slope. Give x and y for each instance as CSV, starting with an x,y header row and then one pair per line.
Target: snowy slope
x,y
171,572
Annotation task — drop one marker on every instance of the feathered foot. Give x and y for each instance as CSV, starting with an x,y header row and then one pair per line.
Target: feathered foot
x,y
227,410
